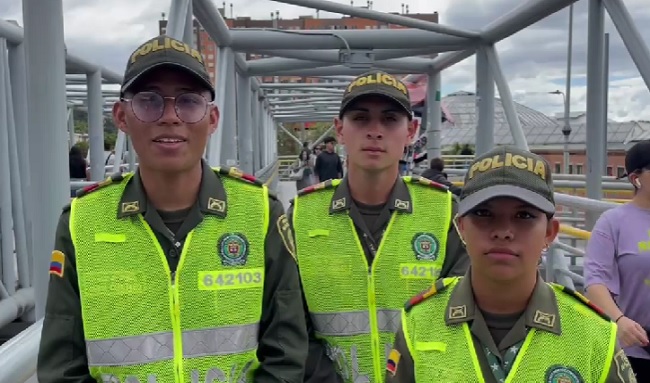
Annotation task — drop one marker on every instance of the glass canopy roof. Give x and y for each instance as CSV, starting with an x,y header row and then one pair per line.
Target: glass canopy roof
x,y
539,129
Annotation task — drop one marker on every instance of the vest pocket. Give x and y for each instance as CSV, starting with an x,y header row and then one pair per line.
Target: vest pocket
x,y
431,346
110,237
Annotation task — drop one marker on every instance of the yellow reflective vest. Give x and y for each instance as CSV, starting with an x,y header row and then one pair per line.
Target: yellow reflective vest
x,y
144,324
447,354
355,307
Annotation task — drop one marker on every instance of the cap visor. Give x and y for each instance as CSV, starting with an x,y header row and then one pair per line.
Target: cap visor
x,y
175,65
473,200
376,92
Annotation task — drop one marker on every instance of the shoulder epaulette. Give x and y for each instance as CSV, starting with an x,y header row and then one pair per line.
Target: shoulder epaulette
x,y
439,286
426,182
319,186
582,299
237,174
113,179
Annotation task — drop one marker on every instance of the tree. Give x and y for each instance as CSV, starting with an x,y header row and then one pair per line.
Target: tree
x,y
462,149
81,126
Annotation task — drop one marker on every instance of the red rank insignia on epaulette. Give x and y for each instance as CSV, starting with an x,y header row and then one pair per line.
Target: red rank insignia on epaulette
x,y
416,300
312,188
432,184
585,300
236,173
91,188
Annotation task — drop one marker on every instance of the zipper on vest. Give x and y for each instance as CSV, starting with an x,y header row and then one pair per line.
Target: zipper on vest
x,y
176,323
374,334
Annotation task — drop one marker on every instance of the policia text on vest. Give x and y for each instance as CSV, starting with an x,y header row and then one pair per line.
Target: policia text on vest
x,y
354,302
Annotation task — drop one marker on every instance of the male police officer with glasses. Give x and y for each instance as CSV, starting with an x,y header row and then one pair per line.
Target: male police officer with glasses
x,y
177,272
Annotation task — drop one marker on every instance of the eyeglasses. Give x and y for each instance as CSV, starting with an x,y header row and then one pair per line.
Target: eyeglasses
x,y
150,106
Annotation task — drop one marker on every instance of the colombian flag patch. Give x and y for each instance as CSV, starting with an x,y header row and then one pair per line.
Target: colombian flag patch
x,y
57,263
393,361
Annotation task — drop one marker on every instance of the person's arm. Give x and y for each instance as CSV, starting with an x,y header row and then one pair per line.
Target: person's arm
x,y
319,368
339,166
62,353
317,165
602,280
400,367
283,333
620,370
456,260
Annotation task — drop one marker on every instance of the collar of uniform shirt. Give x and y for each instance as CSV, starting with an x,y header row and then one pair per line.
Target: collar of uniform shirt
x,y
212,195
541,313
399,199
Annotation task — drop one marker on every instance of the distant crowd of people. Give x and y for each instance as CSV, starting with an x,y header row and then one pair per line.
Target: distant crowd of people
x,y
324,163
321,164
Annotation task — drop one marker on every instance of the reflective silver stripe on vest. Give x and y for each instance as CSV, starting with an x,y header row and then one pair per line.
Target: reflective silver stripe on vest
x,y
159,347
130,350
221,341
355,322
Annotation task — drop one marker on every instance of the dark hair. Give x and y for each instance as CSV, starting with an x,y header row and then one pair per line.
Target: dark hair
x,y
437,164
327,140
75,152
77,163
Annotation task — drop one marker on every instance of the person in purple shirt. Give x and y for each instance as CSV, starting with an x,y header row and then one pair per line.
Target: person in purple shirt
x,y
617,263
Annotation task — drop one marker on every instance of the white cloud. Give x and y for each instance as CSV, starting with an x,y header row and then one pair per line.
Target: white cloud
x,y
112,22
533,60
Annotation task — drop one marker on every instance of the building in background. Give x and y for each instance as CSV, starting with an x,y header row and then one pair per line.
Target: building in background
x,y
202,42
208,47
543,133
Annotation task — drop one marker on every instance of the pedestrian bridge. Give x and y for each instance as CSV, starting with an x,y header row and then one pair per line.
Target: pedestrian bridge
x,y
43,86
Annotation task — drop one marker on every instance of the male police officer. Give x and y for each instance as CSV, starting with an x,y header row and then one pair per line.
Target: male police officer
x,y
365,243
177,273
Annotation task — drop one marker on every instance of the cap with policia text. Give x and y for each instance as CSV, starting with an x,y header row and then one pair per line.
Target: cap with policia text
x,y
377,83
507,171
165,51
637,157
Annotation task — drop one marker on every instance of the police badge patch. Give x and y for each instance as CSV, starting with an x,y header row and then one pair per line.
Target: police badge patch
x,y
233,249
563,374
425,246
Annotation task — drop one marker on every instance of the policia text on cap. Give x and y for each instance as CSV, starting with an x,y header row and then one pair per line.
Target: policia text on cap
x,y
177,273
369,241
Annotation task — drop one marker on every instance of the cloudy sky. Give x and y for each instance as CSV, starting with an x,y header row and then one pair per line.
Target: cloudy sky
x,y
534,60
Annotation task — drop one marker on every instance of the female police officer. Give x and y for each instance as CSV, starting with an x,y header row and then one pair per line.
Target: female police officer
x,y
501,322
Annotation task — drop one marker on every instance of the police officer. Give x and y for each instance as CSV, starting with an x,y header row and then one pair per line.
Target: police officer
x,y
369,241
501,322
178,272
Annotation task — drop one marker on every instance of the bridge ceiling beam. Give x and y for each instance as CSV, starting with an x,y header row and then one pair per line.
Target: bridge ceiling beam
x,y
333,55
254,39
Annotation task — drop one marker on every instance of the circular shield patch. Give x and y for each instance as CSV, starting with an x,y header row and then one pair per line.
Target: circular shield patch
x,y
563,374
425,246
233,249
